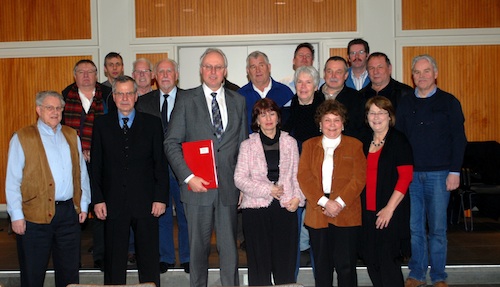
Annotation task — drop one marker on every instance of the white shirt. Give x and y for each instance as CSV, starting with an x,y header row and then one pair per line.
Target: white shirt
x,y
221,100
263,94
86,103
329,146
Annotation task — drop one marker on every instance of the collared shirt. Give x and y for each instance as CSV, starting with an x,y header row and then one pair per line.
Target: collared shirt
x,y
59,158
221,100
329,96
358,82
86,103
170,100
130,117
429,95
263,94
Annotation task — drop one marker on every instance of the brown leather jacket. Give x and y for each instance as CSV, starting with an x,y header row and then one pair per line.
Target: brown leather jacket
x,y
349,177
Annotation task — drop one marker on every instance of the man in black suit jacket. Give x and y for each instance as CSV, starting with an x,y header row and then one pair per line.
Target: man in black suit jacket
x,y
166,73
191,120
129,184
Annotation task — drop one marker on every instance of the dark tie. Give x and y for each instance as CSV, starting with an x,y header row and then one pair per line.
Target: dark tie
x,y
217,119
164,113
125,126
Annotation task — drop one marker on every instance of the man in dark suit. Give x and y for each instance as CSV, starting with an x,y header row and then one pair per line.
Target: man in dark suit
x,y
213,112
160,103
129,184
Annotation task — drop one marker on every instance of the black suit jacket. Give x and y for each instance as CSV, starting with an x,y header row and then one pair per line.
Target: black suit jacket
x,y
150,103
128,183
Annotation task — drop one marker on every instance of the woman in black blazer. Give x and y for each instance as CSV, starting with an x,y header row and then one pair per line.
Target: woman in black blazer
x,y
386,209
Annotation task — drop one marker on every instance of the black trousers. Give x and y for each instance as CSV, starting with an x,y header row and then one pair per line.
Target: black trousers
x,y
381,253
335,248
147,250
271,237
61,238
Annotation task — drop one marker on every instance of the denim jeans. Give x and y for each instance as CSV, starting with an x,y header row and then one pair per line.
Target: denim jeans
x,y
429,201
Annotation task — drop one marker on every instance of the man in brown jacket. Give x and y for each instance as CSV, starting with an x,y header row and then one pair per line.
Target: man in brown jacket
x,y
48,192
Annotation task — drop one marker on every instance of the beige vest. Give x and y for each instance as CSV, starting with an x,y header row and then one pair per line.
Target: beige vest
x,y
37,186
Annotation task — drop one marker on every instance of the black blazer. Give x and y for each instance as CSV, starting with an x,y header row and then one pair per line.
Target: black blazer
x,y
396,151
128,184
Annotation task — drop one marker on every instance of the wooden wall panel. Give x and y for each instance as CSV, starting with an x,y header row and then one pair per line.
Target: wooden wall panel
x,y
160,18
242,21
23,78
37,20
309,16
431,14
203,17
226,17
466,72
342,52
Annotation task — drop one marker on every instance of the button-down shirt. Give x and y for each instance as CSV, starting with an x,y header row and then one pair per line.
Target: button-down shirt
x,y
59,158
170,100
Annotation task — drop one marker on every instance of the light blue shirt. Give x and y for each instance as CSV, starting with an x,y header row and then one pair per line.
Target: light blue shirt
x,y
130,117
170,100
59,158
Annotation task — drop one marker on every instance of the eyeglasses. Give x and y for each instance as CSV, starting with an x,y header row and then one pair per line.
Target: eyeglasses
x,y
122,94
380,114
211,68
52,108
142,71
360,52
81,72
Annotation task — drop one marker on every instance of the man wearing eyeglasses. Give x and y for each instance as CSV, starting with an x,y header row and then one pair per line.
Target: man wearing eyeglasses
x,y
381,82
209,112
143,75
87,100
129,184
48,193
160,103
357,53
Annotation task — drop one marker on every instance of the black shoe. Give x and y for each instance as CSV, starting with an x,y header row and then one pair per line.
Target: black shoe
x,y
164,266
99,264
131,259
185,265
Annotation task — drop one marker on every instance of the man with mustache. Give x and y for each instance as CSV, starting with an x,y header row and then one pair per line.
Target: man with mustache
x,y
357,53
335,75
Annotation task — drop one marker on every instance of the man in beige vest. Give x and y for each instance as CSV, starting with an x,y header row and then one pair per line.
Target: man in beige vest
x,y
48,192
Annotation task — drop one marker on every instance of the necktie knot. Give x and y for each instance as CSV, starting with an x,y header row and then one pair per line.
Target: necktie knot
x,y
125,121
213,95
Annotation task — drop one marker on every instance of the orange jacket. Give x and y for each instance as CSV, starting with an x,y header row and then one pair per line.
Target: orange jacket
x,y
348,180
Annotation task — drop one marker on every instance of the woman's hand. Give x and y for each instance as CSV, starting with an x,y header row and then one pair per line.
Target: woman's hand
x,y
332,208
384,217
277,191
292,205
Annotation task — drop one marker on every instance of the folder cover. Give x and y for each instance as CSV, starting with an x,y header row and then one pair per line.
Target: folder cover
x,y
200,158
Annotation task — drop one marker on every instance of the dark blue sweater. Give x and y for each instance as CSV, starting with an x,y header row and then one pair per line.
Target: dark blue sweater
x,y
435,128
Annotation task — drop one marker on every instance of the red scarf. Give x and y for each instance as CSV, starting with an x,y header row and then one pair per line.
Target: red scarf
x,y
75,116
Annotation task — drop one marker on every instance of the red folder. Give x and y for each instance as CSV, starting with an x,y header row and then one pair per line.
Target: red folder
x,y
200,158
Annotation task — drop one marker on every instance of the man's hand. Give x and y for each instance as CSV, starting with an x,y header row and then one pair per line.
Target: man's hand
x,y
158,209
197,184
452,182
82,216
19,226
101,211
86,155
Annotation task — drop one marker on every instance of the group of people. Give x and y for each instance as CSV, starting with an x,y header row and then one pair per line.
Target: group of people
x,y
325,163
